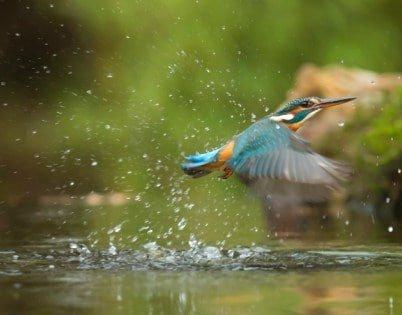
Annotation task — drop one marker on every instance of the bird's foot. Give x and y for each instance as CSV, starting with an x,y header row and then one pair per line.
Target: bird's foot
x,y
227,173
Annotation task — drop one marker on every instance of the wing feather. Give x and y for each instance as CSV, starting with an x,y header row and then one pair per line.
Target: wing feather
x,y
269,150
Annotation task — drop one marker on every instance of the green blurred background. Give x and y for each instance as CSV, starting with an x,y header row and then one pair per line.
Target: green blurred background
x,y
107,97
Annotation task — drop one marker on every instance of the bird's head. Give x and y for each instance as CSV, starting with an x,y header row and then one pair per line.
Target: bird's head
x,y
295,112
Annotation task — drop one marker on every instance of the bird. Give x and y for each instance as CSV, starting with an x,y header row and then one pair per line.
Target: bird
x,y
271,150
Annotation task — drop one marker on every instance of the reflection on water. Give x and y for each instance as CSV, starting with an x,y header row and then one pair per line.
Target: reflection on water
x,y
250,292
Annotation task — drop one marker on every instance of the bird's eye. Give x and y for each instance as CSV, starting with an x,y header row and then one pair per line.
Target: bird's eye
x,y
312,102
306,104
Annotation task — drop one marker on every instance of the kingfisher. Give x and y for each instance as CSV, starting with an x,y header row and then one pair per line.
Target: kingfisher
x,y
271,149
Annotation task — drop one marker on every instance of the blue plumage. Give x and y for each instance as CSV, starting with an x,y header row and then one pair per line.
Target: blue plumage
x,y
270,150
203,157
258,139
193,165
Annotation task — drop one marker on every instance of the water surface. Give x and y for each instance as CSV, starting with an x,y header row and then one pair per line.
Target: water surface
x,y
51,263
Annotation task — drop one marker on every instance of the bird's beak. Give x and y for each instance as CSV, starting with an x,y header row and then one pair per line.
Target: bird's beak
x,y
329,102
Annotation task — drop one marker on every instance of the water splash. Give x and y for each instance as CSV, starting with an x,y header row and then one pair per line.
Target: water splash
x,y
152,256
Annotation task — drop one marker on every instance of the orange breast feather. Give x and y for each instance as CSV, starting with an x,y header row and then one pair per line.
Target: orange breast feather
x,y
224,155
226,152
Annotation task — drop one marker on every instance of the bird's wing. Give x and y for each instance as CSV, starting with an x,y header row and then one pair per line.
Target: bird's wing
x,y
269,150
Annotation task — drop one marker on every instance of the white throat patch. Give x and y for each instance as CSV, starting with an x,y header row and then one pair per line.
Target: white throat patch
x,y
282,117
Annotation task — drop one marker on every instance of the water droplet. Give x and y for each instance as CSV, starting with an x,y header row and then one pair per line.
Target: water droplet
x,y
73,246
182,224
116,229
144,228
193,242
112,250
189,206
151,246
211,252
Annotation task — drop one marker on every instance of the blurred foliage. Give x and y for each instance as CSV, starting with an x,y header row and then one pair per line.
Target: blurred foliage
x,y
372,142
379,161
384,138
109,95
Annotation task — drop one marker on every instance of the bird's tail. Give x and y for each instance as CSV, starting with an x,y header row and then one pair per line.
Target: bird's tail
x,y
196,165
